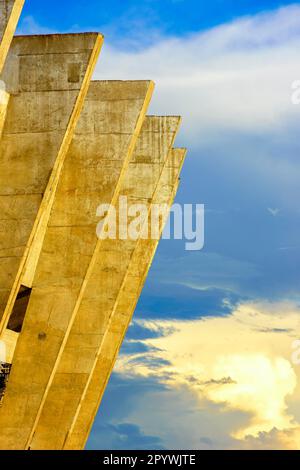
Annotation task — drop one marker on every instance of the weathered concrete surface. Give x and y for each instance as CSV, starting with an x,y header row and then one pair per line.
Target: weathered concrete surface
x,y
10,11
92,172
4,99
115,327
10,339
102,289
48,77
84,291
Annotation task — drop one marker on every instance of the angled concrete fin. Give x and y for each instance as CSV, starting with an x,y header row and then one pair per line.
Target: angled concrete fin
x,y
92,173
4,99
101,291
124,307
10,11
68,146
49,77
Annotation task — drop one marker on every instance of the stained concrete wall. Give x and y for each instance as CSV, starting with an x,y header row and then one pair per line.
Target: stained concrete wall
x,y
93,170
10,11
48,77
102,290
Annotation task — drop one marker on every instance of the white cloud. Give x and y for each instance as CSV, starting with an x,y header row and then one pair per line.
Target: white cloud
x,y
29,26
235,77
204,270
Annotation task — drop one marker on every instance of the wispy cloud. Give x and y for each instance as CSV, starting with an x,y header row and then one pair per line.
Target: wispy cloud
x,y
28,25
274,212
236,77
123,436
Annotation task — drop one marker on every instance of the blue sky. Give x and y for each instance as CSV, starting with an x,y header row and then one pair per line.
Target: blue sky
x,y
212,334
173,17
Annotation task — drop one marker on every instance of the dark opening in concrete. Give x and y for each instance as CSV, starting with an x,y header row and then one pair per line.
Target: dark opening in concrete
x,y
4,374
16,319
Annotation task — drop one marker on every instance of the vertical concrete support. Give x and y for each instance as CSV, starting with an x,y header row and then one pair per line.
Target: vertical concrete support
x,y
117,324
92,172
48,77
4,99
10,11
101,291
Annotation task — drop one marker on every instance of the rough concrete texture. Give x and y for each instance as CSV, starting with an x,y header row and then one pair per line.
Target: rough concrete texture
x,y
92,173
68,145
4,99
10,340
10,11
48,77
119,320
102,289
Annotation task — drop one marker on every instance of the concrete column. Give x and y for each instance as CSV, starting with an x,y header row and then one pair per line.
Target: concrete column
x,y
4,99
10,11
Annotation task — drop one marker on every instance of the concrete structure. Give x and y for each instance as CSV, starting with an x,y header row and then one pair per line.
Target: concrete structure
x,y
121,315
48,78
102,288
10,11
67,296
105,140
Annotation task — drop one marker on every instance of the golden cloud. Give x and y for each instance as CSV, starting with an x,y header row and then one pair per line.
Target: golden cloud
x,y
242,362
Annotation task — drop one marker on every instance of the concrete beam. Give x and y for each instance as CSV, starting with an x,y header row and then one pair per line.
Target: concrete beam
x,y
117,324
48,77
4,99
102,289
92,172
10,11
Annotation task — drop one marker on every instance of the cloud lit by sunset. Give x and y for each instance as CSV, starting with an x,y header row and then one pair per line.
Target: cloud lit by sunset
x,y
241,362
